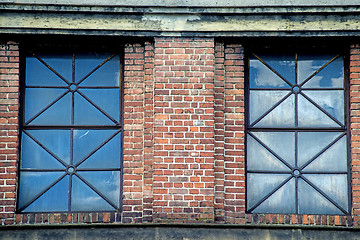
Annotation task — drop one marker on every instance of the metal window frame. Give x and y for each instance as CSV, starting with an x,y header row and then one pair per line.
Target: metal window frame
x,y
27,49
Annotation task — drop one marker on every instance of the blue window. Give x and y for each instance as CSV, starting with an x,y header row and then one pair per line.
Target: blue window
x,y
71,132
297,138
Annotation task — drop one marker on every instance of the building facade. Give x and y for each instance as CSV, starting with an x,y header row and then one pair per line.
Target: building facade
x,y
237,115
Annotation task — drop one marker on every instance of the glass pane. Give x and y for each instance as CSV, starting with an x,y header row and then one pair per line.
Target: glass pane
x,y
312,202
333,159
331,101
107,99
332,76
311,143
37,74
282,143
57,141
57,114
36,99
282,116
259,185
28,181
87,114
262,77
106,182
33,156
54,200
310,63
107,156
282,201
106,75
83,198
333,185
86,141
262,101
311,116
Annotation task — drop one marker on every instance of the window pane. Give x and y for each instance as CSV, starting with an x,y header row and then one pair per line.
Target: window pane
x,y
28,181
311,143
282,116
262,101
259,185
330,101
35,157
106,99
333,185
86,141
54,200
105,157
107,75
262,77
312,202
333,159
87,114
282,201
57,114
106,182
311,116
57,141
36,99
83,198
282,143
37,74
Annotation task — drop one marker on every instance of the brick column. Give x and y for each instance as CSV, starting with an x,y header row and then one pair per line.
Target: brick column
x,y
184,130
234,134
9,119
133,157
355,130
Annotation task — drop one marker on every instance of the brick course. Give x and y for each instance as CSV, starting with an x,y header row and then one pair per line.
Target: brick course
x,y
183,148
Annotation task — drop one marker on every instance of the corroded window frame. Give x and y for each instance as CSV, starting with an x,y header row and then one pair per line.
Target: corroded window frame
x,y
71,85
294,170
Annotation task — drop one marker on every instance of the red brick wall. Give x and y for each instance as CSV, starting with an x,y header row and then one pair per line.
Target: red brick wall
x,y
184,126
9,115
184,130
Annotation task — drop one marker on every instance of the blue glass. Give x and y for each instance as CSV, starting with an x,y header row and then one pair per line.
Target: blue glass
x,y
107,75
332,76
311,143
57,141
262,101
86,141
258,158
281,143
312,202
58,114
87,114
260,76
331,101
54,200
33,183
106,182
36,99
107,99
282,116
311,116
333,185
37,74
35,157
259,185
281,201
83,198
108,156
333,159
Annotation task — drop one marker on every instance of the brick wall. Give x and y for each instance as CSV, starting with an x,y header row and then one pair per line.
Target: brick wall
x,y
9,115
183,157
184,130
